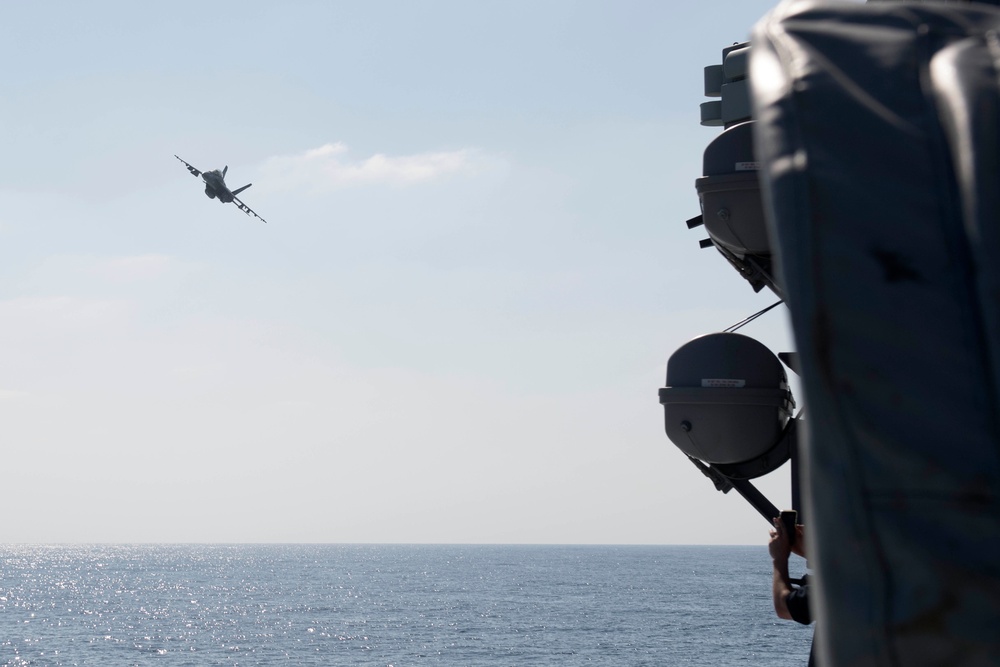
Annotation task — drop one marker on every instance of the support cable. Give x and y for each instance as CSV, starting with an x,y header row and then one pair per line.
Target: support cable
x,y
750,319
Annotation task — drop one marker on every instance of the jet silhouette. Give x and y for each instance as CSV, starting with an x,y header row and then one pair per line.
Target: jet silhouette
x,y
216,188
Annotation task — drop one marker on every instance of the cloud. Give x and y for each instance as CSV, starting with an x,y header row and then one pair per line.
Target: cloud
x,y
330,167
136,267
62,314
10,394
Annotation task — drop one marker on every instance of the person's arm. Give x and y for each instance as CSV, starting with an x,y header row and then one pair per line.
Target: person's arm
x,y
781,587
781,584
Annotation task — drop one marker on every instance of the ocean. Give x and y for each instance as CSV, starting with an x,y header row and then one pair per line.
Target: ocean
x,y
392,605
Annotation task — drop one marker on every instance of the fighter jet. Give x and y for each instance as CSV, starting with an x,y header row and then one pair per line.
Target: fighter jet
x,y
215,188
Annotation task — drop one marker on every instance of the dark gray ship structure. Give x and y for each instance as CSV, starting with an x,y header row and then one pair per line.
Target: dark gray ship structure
x,y
858,178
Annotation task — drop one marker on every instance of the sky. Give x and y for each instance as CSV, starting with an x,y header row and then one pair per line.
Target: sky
x,y
452,327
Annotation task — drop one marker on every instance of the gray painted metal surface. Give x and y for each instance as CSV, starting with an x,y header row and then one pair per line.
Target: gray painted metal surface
x,y
879,134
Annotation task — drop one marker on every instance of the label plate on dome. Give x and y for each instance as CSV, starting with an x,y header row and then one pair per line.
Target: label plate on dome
x,y
730,383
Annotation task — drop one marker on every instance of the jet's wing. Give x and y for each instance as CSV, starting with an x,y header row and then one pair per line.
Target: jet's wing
x,y
190,168
246,209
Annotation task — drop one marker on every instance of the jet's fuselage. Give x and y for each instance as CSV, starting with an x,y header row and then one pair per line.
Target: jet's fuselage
x,y
215,186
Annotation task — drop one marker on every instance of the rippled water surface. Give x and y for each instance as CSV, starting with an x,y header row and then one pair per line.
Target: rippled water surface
x,y
391,605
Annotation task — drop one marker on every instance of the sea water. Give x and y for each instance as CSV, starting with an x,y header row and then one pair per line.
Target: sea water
x,y
380,605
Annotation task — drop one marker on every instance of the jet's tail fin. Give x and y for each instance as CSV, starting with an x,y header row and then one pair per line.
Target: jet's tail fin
x,y
239,190
224,170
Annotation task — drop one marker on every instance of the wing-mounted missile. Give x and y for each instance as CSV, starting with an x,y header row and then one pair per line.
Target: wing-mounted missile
x,y
194,172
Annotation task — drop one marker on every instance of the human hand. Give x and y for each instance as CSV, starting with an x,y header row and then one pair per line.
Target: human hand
x,y
778,547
